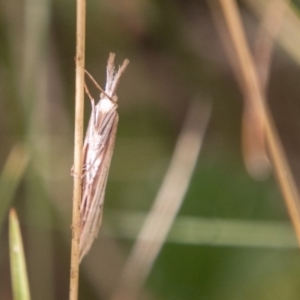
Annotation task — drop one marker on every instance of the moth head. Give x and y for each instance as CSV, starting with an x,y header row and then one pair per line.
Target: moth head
x,y
113,98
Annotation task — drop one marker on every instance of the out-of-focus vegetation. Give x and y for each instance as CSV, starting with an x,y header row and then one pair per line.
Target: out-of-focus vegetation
x,y
19,277
175,55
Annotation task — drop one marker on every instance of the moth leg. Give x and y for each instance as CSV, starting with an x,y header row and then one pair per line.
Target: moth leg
x,y
72,173
97,85
88,93
84,170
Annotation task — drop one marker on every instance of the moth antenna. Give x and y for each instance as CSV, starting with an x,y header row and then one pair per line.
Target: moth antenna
x,y
110,70
112,76
118,75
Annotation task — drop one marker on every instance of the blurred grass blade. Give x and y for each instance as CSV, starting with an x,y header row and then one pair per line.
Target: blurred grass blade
x,y
253,135
267,34
282,170
214,232
17,260
288,37
11,176
253,143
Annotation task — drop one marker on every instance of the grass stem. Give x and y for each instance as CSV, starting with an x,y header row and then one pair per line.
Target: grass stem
x,y
78,141
281,168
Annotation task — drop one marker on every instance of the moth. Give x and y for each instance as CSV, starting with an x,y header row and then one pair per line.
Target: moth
x,y
97,153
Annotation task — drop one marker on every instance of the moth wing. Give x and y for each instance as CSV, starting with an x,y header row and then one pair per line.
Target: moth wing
x,y
95,145
93,218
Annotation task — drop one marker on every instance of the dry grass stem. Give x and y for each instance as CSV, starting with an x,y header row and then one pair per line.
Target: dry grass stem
x,y
78,141
166,205
253,134
281,167
256,160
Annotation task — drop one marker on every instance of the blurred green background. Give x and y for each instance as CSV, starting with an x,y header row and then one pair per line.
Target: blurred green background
x,y
175,55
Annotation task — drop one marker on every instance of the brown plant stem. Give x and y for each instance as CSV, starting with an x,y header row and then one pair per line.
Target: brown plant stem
x,y
78,141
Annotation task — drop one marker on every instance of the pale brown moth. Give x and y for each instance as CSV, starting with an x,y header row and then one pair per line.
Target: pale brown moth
x,y
97,153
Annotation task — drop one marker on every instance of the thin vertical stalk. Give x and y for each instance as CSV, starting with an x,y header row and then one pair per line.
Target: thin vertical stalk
x,y
78,141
